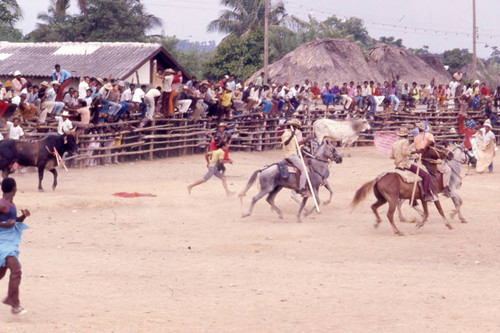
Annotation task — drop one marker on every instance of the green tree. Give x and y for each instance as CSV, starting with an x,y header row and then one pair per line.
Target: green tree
x,y
62,6
456,58
10,12
244,16
240,57
107,21
391,41
352,28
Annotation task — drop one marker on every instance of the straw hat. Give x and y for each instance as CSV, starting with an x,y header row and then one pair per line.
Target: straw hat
x,y
108,86
222,124
204,82
169,71
17,73
453,130
101,81
54,83
403,131
65,114
293,122
421,126
487,123
229,89
44,83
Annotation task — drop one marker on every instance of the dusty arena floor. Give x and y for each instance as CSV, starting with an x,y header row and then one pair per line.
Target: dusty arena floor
x,y
93,262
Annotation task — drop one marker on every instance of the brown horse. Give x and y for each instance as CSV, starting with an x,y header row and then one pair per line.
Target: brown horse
x,y
390,187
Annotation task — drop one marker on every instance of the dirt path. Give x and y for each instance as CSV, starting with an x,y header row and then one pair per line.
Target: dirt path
x,y
93,262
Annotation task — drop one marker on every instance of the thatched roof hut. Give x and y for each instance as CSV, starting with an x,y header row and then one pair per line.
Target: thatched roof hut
x,y
435,62
485,73
322,60
409,66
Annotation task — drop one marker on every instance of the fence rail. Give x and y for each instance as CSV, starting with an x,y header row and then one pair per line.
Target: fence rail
x,y
177,137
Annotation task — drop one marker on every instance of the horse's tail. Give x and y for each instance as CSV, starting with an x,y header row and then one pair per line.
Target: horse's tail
x,y
361,193
249,184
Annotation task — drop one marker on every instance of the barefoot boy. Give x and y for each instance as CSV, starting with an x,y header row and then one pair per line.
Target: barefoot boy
x,y
214,158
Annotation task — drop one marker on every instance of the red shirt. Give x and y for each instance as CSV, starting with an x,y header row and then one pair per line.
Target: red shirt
x,y
485,91
316,91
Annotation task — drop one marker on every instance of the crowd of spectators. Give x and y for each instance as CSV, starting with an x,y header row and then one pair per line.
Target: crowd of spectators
x,y
105,100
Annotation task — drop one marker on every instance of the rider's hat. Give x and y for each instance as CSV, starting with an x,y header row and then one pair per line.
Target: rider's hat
x,y
487,123
293,122
403,131
421,126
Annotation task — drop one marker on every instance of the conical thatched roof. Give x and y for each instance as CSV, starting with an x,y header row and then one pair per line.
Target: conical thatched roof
x,y
485,73
323,60
435,62
409,66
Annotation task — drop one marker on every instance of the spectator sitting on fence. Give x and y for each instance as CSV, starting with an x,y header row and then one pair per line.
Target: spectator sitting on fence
x,y
150,99
63,78
470,123
50,96
26,110
138,98
63,123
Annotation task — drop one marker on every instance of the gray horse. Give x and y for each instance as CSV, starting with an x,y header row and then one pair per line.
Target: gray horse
x,y
271,181
459,158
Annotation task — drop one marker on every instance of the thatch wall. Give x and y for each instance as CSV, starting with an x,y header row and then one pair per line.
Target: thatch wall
x,y
409,66
325,60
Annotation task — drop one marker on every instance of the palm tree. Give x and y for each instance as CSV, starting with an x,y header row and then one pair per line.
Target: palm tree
x,y
62,5
10,12
243,16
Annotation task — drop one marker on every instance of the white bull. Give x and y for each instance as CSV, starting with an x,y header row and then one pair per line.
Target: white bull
x,y
346,132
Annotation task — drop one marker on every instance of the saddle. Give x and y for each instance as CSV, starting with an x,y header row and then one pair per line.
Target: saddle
x,y
286,168
408,176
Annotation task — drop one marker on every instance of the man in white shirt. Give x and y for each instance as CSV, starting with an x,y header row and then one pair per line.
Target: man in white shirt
x,y
63,123
149,98
167,90
82,88
139,98
50,96
15,131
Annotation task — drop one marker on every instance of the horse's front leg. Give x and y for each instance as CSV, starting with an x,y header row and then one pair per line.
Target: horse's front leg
x,y
457,201
304,200
327,186
441,212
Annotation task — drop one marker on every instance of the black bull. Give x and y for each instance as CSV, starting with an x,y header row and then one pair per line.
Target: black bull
x,y
39,153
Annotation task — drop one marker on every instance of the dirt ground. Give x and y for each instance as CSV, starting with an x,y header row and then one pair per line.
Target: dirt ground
x,y
93,262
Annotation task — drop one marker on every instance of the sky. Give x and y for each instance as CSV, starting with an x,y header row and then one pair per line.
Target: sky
x,y
440,24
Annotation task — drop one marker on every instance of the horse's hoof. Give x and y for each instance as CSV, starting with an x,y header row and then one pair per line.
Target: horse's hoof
x,y
463,221
419,225
449,226
244,215
399,233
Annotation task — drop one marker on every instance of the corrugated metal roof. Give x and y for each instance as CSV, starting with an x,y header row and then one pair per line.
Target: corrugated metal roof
x,y
99,59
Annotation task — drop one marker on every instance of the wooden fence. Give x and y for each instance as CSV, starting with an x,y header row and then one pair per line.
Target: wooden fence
x,y
177,137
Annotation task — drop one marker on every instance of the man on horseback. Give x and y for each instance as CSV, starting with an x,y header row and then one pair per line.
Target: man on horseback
x,y
401,153
290,149
425,139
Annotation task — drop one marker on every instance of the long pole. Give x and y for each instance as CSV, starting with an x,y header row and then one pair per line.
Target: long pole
x,y
305,169
266,39
474,37
415,183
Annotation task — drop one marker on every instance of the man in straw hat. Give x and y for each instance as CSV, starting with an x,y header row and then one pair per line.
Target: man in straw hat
x,y
425,139
18,83
401,153
485,148
290,149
